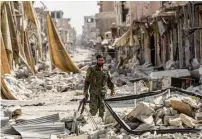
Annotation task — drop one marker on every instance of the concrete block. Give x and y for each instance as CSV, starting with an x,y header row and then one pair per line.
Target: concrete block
x,y
190,122
181,107
142,109
175,122
167,118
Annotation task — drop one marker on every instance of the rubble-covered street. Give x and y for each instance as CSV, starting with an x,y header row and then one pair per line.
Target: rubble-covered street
x,y
45,65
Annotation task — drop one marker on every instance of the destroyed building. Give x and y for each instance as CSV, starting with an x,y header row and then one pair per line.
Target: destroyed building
x,y
159,99
159,32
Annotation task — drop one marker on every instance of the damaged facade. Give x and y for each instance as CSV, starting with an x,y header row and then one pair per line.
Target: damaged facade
x,y
139,41
167,32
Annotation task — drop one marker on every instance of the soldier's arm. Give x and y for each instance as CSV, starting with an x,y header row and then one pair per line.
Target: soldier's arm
x,y
110,83
87,80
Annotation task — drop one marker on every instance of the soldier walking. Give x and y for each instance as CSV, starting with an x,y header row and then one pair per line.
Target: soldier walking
x,y
97,78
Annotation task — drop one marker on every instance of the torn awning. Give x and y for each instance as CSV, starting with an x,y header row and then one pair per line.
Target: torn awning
x,y
58,54
126,38
5,68
5,92
122,40
31,15
6,34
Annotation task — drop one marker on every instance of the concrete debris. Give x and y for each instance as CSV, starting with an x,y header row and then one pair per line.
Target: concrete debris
x,y
109,118
171,65
170,73
167,118
158,100
14,112
175,122
142,111
180,106
188,121
16,87
192,102
195,63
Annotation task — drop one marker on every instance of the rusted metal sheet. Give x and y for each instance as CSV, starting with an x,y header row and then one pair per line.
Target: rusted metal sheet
x,y
41,127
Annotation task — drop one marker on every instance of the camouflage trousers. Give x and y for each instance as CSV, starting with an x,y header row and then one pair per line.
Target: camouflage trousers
x,y
97,103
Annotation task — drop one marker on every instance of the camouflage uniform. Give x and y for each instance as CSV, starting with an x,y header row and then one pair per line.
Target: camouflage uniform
x,y
96,81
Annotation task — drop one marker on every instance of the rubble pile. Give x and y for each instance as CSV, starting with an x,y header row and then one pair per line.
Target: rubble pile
x,y
17,87
16,124
26,88
175,112
61,82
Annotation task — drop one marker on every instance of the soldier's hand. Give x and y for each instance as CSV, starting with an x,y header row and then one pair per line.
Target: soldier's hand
x,y
112,93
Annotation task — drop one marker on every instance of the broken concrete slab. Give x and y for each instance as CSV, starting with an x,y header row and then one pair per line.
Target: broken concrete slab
x,y
192,102
142,109
180,106
175,122
147,119
167,118
190,122
170,73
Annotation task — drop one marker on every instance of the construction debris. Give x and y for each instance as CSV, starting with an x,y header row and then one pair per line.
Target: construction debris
x,y
38,92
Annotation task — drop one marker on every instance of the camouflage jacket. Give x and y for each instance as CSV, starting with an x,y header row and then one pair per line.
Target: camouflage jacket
x,y
97,80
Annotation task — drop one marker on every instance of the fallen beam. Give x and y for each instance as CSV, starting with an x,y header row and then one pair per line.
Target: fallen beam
x,y
153,93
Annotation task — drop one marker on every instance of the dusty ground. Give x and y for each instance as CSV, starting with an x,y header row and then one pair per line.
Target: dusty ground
x,y
57,89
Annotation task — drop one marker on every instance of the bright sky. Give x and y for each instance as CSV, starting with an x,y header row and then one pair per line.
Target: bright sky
x,y
76,10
